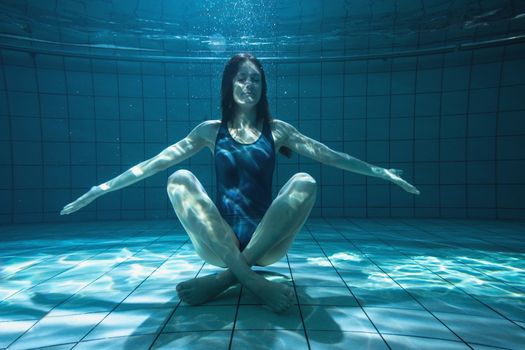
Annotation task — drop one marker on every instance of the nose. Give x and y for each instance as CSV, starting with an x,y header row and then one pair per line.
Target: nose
x,y
249,86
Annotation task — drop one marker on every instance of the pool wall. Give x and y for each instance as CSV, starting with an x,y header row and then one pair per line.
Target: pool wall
x,y
453,121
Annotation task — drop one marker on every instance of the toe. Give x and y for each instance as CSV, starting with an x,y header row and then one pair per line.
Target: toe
x,y
183,295
183,286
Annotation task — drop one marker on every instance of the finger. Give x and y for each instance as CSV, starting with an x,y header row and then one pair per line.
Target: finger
x,y
413,190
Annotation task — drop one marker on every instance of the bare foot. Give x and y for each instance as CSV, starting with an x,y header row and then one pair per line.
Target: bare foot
x,y
200,290
276,296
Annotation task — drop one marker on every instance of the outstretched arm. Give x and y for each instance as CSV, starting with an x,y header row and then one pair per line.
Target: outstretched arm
x,y
171,155
316,150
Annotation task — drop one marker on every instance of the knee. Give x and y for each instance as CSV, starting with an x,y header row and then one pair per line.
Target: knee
x,y
305,183
181,177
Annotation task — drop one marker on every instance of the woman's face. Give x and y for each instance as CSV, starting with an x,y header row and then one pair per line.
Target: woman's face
x,y
247,85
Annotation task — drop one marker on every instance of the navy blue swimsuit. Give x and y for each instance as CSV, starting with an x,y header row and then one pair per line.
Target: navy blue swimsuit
x,y
244,180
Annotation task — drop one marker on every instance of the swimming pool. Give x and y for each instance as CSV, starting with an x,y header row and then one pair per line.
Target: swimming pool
x,y
89,89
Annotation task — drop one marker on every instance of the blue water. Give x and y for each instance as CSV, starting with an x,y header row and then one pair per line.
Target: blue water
x,y
89,89
359,283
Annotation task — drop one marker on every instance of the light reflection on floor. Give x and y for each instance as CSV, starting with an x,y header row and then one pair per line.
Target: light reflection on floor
x,y
360,284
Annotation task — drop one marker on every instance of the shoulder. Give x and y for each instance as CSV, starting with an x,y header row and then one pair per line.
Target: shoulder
x,y
206,127
282,132
206,131
277,124
209,123
283,128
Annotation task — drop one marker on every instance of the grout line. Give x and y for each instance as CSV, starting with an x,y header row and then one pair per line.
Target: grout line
x,y
298,303
94,124
348,287
236,316
75,248
119,100
466,142
39,118
142,186
113,268
412,200
434,273
10,141
321,195
386,273
496,137
464,291
138,286
442,71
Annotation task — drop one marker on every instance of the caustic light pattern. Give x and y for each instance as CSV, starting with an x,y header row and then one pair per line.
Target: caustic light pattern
x,y
361,284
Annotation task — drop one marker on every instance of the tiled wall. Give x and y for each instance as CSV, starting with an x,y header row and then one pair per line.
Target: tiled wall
x,y
454,122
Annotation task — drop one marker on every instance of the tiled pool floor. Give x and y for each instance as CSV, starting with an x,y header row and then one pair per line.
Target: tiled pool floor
x,y
359,283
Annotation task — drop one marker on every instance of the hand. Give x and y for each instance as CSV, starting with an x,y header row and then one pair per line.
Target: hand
x,y
394,176
82,201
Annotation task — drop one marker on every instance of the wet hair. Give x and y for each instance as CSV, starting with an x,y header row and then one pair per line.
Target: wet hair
x,y
228,104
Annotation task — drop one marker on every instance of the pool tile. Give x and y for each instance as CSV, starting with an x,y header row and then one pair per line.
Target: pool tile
x,y
336,318
125,322
201,318
58,330
135,342
312,295
206,340
83,302
269,339
408,322
392,297
328,340
258,317
451,301
484,330
401,342
11,330
152,298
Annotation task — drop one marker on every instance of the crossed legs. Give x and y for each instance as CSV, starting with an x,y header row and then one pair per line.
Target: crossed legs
x,y
215,242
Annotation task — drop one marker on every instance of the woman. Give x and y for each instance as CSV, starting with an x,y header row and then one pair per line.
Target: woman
x,y
244,227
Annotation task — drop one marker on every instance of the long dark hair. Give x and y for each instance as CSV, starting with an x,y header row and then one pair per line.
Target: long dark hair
x,y
227,102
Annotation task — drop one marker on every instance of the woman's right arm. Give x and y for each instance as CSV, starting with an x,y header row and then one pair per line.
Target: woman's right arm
x,y
168,157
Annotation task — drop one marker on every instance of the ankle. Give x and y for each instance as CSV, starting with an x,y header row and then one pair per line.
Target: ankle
x,y
227,278
253,281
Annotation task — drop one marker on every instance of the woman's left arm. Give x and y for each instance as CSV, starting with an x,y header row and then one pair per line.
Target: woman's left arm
x,y
316,150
